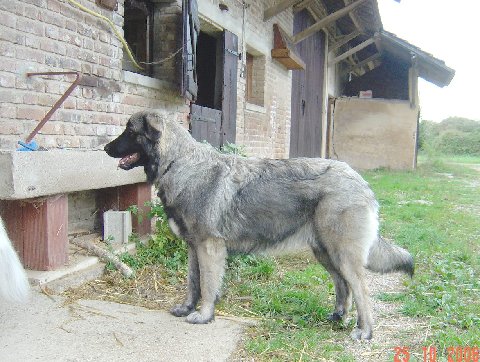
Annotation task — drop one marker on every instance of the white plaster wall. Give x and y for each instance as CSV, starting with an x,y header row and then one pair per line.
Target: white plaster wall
x,y
374,133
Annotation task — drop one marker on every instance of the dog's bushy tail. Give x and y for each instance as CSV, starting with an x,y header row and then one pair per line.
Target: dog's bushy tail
x,y
14,284
385,257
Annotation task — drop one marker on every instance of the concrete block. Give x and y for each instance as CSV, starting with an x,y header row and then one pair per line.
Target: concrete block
x,y
39,173
117,226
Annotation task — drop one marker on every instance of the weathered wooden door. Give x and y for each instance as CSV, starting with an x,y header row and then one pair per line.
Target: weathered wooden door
x,y
307,92
229,91
213,118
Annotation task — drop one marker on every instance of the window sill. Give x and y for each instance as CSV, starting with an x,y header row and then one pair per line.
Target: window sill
x,y
143,80
255,108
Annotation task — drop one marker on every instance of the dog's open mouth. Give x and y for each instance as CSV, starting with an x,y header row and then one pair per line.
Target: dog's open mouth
x,y
127,162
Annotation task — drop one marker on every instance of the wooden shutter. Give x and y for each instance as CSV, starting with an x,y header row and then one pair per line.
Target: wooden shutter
x,y
229,92
191,28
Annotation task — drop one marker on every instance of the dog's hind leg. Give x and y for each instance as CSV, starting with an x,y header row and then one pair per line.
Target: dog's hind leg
x,y
355,276
343,293
193,286
212,255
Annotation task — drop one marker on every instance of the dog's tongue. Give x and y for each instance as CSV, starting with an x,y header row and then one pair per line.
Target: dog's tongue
x,y
128,160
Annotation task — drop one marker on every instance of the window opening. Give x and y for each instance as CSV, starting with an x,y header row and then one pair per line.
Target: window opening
x,y
138,24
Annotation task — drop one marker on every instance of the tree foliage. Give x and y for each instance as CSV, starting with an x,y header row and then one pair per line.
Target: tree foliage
x,y
452,136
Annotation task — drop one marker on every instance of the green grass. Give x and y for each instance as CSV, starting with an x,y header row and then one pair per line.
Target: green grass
x,y
444,236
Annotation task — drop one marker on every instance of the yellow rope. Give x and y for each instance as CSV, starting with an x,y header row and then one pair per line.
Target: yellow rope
x,y
112,25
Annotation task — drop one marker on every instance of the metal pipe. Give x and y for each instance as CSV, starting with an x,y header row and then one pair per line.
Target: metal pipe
x,y
58,103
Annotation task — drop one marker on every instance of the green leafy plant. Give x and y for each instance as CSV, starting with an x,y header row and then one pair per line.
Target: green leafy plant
x,y
163,247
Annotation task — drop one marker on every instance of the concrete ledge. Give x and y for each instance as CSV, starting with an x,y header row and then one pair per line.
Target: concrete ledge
x,y
27,175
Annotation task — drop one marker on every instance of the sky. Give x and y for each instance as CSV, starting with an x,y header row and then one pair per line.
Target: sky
x,y
449,30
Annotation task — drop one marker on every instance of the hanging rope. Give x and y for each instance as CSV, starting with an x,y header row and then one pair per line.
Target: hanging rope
x,y
112,25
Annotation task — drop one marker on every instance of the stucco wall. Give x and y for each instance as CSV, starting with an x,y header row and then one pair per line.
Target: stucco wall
x,y
374,133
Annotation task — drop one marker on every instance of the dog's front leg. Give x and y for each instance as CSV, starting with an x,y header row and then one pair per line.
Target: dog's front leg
x,y
212,254
193,286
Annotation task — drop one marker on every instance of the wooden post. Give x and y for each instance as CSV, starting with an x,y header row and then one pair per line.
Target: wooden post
x,y
38,229
120,198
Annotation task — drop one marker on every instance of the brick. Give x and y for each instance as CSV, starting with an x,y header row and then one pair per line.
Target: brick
x,y
84,130
71,25
52,128
7,96
30,26
30,55
8,19
69,103
52,32
54,5
11,35
30,98
47,100
52,47
30,112
32,41
38,3
7,80
7,65
31,12
9,126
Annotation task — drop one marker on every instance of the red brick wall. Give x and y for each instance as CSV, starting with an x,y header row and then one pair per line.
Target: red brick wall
x,y
52,35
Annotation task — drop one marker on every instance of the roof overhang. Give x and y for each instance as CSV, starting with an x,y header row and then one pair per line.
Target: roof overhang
x,y
357,38
429,68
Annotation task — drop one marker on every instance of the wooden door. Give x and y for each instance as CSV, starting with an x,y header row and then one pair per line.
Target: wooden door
x,y
217,126
307,92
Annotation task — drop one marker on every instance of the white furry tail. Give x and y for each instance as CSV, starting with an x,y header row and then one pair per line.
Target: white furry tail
x,y
14,284
385,257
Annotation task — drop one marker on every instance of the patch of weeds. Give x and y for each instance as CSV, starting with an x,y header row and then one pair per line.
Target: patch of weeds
x,y
163,247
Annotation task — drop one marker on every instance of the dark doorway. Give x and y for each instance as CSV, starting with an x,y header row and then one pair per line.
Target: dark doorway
x,y
307,92
206,71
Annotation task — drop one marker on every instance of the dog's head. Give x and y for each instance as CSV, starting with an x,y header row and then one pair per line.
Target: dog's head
x,y
136,144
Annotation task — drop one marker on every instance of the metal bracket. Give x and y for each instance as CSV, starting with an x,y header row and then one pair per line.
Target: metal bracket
x,y
58,103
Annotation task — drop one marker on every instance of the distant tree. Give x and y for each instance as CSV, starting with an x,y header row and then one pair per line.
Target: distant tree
x,y
454,135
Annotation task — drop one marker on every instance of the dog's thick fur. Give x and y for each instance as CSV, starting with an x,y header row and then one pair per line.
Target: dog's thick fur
x,y
220,203
14,284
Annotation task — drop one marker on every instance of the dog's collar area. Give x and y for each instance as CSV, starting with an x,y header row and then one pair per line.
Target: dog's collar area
x,y
168,168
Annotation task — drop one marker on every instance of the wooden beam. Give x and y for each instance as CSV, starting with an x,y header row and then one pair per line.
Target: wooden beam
x,y
278,8
363,62
344,40
301,5
325,21
349,52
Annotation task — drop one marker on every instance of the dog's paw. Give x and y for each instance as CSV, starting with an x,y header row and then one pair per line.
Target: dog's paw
x,y
336,316
181,310
199,318
360,334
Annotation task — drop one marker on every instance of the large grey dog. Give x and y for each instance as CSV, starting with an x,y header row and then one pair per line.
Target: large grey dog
x,y
220,203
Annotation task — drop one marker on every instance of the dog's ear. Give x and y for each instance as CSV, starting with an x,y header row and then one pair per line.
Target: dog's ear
x,y
150,127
